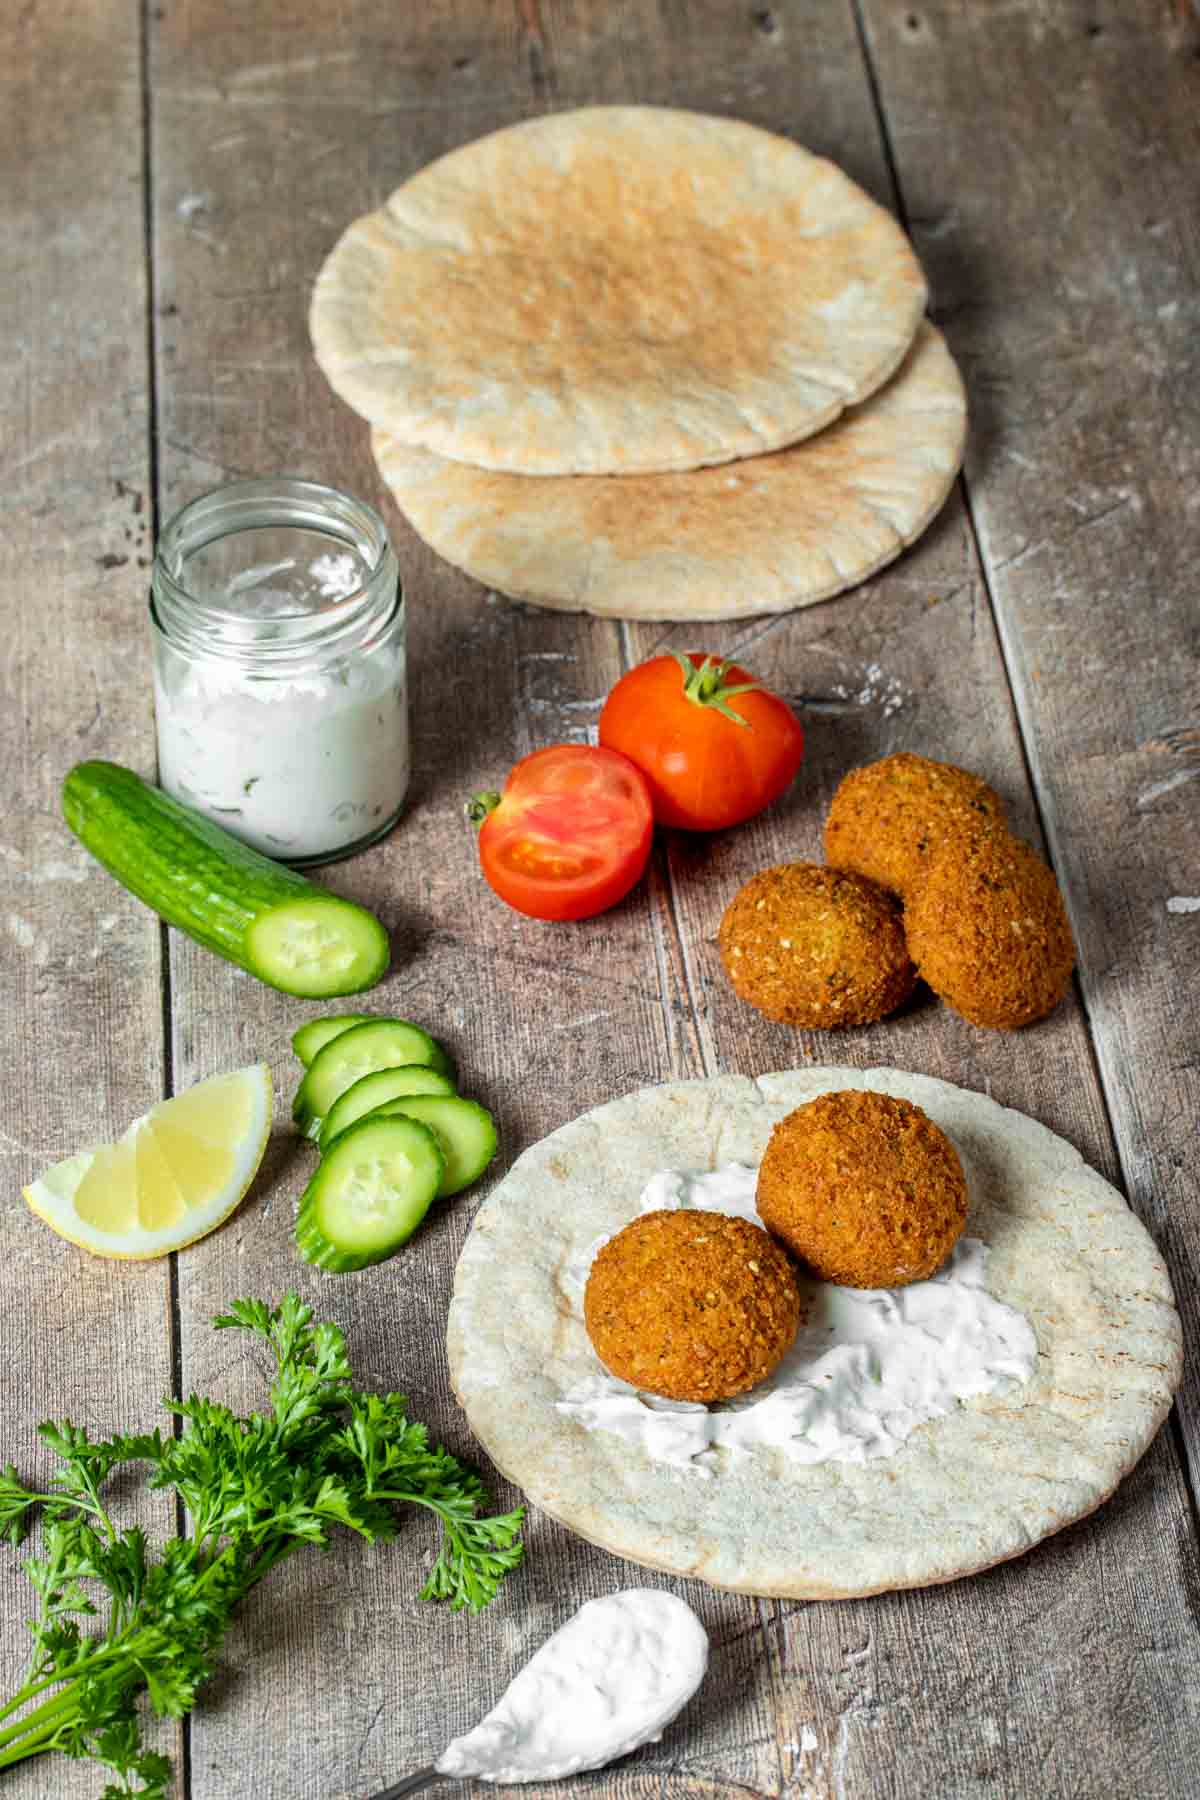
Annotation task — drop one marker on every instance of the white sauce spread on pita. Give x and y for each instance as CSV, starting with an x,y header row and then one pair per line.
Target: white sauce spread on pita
x,y
868,1365
613,1677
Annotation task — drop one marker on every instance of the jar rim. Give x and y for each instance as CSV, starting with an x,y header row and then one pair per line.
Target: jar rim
x,y
278,502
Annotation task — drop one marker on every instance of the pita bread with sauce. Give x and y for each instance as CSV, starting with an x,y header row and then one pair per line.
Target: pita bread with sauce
x,y
781,530
983,1483
616,290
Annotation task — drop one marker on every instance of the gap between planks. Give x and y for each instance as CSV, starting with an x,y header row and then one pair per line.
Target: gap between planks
x,y
1020,711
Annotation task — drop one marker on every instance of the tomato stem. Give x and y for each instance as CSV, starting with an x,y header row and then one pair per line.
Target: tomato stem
x,y
480,805
705,685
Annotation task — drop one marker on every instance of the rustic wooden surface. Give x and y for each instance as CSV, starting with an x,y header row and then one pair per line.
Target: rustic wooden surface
x,y
172,181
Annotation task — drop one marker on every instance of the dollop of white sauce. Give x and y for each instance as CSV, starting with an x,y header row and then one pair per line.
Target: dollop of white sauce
x,y
868,1365
611,1678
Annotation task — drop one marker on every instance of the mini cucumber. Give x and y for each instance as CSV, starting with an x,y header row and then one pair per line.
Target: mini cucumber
x,y
369,1194
465,1130
369,1094
268,920
379,1044
318,1032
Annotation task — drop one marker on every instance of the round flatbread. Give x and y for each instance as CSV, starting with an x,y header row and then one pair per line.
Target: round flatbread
x,y
614,290
761,535
980,1484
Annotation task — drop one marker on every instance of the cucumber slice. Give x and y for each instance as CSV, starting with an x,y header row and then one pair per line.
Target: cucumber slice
x,y
318,1032
369,1194
268,920
369,1094
317,946
379,1044
465,1130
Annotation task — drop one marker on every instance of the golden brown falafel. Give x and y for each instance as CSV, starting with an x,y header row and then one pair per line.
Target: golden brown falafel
x,y
888,819
864,1187
692,1305
816,947
988,930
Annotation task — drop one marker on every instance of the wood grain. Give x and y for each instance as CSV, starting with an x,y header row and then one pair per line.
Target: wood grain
x,y
1042,633
914,660
539,1025
1084,349
82,1052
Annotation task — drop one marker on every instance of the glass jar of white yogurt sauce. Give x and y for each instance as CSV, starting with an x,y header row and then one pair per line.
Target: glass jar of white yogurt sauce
x,y
279,668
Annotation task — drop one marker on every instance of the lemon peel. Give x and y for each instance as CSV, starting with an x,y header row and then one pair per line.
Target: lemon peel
x,y
171,1178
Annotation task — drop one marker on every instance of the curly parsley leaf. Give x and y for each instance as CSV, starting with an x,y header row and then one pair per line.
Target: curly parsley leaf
x,y
257,1487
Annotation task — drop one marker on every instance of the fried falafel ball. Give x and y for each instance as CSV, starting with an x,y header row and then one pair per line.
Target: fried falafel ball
x,y
692,1305
989,932
864,1188
888,819
816,947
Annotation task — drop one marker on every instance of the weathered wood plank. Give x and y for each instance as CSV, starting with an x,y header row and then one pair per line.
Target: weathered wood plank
x,y
913,661
541,1023
1071,285
269,138
82,1049
884,647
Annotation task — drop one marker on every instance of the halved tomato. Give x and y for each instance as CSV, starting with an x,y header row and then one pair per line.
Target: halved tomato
x,y
569,835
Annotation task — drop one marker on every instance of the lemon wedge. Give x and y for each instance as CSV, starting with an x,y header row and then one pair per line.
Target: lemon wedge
x,y
175,1174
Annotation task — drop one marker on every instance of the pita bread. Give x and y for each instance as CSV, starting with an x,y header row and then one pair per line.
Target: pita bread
x,y
983,1483
768,533
614,290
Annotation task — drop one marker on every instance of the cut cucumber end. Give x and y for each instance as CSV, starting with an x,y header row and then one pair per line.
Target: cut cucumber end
x,y
369,1194
318,946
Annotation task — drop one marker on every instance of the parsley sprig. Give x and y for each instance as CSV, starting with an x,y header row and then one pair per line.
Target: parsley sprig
x,y
256,1488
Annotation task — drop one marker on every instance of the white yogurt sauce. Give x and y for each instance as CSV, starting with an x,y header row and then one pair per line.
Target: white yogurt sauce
x,y
298,760
611,1678
295,766
868,1366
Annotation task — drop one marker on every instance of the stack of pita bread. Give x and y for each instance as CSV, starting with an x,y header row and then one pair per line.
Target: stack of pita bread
x,y
645,363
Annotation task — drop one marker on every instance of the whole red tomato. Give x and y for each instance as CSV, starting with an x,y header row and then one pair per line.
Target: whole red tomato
x,y
569,835
714,745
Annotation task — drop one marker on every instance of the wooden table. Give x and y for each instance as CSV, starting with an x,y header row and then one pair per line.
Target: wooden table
x,y
171,184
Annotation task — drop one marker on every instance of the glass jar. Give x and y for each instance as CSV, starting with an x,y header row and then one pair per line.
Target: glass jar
x,y
279,668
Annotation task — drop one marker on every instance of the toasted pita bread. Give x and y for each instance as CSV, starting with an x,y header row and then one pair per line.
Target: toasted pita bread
x,y
761,535
980,1484
614,290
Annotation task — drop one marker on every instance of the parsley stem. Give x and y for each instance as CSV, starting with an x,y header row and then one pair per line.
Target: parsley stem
x,y
60,1499
100,1656
256,1489
29,1692
49,1713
